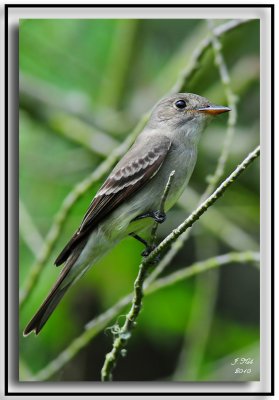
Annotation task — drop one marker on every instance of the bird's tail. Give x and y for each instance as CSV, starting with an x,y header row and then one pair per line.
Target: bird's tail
x,y
45,311
63,283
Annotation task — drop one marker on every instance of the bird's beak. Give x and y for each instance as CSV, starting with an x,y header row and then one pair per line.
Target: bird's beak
x,y
214,110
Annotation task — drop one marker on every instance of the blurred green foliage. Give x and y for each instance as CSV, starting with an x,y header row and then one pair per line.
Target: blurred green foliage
x,y
98,77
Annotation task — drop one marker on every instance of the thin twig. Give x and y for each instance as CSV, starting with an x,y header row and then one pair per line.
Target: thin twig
x,y
161,209
125,332
97,324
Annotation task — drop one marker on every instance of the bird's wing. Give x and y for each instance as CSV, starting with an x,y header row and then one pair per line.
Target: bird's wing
x,y
138,166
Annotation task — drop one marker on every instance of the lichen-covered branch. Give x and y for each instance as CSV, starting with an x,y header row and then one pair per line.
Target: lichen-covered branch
x,y
125,332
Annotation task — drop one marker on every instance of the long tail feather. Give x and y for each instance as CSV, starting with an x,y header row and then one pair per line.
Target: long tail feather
x,y
55,295
45,311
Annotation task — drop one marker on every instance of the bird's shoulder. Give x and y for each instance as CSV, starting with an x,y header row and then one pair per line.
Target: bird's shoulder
x,y
145,154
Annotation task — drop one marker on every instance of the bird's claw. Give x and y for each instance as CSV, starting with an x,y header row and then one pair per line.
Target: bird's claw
x,y
159,216
148,250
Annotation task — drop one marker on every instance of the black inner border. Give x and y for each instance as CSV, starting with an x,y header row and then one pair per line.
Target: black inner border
x,y
7,6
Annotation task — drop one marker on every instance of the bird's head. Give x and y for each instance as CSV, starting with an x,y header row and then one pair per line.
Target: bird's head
x,y
187,112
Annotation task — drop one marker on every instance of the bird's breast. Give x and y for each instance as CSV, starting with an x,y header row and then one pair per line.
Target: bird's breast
x,y
182,160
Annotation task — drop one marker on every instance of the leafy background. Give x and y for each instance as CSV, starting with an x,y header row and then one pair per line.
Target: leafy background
x,y
84,84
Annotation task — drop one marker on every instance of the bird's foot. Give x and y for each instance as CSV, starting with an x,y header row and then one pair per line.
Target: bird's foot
x,y
157,215
148,249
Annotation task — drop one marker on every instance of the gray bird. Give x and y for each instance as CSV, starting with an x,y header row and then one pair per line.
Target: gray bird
x,y
128,201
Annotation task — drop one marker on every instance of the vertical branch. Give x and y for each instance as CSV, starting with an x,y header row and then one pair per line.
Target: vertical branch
x,y
124,333
161,209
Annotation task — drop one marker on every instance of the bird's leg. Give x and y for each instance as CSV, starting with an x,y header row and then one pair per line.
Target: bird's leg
x,y
157,215
147,249
140,239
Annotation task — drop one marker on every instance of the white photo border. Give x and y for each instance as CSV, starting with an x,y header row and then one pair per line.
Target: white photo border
x,y
13,13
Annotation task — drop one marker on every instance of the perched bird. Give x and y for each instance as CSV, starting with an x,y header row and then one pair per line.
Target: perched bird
x,y
129,199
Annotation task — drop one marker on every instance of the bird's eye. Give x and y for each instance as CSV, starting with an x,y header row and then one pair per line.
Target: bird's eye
x,y
180,104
